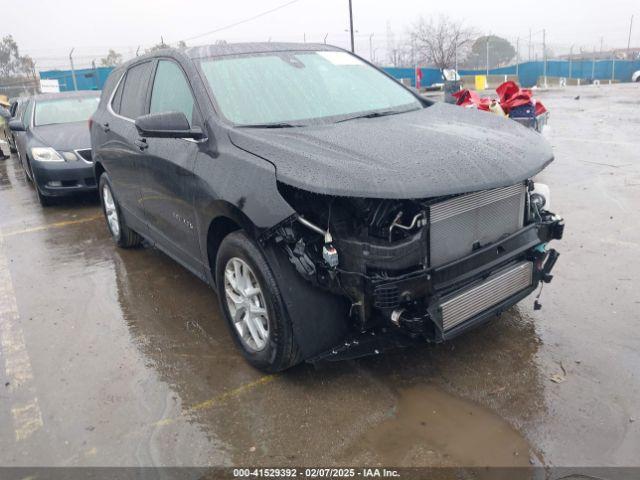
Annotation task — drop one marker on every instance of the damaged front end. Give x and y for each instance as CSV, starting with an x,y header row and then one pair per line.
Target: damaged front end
x,y
423,269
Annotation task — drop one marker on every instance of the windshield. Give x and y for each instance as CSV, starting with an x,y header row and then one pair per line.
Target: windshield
x,y
297,87
65,110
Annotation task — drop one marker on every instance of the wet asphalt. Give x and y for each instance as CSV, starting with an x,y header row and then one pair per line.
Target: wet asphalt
x,y
121,357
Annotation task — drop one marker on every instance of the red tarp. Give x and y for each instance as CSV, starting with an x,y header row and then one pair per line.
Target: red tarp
x,y
509,94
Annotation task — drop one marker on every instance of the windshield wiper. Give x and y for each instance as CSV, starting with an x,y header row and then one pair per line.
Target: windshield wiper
x,y
270,125
381,113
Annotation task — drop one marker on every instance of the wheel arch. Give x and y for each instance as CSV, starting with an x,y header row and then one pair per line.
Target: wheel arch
x,y
225,219
98,169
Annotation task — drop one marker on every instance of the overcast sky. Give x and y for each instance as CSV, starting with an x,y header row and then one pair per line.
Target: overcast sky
x,y
47,29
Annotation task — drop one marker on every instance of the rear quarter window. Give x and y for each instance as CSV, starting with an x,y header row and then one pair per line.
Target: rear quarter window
x,y
134,93
117,97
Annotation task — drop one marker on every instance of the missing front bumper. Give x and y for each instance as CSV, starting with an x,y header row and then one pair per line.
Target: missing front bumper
x,y
459,307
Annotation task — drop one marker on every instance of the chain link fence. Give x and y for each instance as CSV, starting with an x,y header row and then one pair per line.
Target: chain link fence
x,y
15,87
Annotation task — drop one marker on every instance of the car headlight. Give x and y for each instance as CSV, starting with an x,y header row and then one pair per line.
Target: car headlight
x,y
541,195
46,154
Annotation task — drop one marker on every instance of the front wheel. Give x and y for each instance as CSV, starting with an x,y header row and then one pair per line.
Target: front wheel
x,y
45,201
251,302
121,233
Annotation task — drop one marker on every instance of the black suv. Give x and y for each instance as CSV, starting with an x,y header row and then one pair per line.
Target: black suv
x,y
335,211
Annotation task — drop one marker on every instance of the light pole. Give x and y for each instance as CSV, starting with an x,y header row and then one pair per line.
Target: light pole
x,y
518,58
630,27
353,47
544,56
487,57
570,61
371,47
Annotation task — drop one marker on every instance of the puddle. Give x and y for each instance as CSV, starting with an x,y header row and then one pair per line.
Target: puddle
x,y
435,429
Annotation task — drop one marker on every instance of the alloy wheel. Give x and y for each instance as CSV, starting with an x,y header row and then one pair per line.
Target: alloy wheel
x,y
246,304
111,211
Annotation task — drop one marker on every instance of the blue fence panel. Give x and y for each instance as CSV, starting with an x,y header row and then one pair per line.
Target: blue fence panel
x,y
429,75
86,78
529,72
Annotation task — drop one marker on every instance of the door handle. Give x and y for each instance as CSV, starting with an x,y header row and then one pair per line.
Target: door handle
x,y
105,127
141,143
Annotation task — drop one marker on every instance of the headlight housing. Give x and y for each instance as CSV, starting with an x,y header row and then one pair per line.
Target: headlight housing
x,y
542,190
46,154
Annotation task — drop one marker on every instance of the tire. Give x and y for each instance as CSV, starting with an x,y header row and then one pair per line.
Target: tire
x,y
44,200
279,351
122,235
27,171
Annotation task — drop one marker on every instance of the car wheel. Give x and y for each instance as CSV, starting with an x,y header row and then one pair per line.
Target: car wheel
x,y
251,302
44,200
121,233
28,171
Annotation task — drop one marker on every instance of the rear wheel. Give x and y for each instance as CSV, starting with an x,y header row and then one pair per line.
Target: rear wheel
x,y
121,233
251,302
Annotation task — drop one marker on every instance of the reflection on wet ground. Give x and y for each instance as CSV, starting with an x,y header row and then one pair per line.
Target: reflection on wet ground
x,y
129,362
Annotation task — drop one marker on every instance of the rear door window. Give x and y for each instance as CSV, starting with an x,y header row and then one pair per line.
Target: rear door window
x,y
171,91
134,94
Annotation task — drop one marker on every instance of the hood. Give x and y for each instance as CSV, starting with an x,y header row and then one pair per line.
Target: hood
x,y
439,150
64,137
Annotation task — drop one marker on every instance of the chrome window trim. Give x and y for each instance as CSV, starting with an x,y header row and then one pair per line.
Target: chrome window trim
x,y
117,115
113,94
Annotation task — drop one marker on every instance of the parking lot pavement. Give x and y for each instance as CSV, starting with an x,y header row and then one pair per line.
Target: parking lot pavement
x,y
114,357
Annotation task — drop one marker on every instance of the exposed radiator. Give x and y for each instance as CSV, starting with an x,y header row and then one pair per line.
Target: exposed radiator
x,y
476,219
477,299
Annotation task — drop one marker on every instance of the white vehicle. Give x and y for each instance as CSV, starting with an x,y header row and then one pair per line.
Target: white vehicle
x,y
636,76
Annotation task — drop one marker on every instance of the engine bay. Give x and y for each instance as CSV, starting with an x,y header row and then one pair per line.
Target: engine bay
x,y
388,257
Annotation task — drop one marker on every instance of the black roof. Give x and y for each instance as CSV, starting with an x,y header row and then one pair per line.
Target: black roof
x,y
219,50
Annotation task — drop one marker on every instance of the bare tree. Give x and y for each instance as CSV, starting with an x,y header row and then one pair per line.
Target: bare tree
x,y
112,59
440,42
12,64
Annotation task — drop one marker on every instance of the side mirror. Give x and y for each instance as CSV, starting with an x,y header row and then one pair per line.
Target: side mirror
x,y
167,125
16,125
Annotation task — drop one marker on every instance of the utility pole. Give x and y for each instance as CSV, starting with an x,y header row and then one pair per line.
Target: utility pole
x,y
73,70
487,58
371,48
529,44
544,55
353,47
630,28
601,43
325,38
